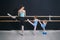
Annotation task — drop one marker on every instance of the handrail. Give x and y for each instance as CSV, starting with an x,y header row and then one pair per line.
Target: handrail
x,y
26,20
32,16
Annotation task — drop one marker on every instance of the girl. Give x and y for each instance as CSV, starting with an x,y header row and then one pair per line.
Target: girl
x,y
22,14
43,25
34,23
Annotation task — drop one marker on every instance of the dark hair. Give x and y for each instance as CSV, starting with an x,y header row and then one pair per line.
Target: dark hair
x,y
35,16
21,6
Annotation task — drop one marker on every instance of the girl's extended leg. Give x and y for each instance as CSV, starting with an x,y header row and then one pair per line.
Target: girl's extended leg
x,y
29,21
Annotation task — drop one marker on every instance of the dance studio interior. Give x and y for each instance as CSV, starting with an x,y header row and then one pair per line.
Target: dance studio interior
x,y
29,19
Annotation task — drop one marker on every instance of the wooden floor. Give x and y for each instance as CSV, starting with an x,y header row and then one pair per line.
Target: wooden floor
x,y
28,35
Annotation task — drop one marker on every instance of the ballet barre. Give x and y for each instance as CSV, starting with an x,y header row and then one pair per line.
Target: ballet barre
x,y
31,16
26,20
49,20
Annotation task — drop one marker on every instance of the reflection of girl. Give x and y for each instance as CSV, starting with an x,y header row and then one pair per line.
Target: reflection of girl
x,y
34,23
43,25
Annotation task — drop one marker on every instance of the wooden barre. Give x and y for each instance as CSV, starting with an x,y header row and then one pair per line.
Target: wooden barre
x,y
43,16
31,16
26,21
